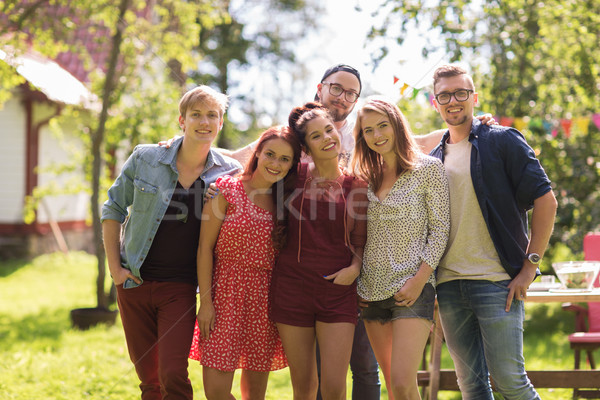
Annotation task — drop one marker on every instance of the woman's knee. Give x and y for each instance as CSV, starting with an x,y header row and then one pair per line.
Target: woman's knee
x,y
333,390
217,391
217,384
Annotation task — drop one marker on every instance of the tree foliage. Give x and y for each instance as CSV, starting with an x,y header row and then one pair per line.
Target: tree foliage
x,y
148,47
531,59
249,35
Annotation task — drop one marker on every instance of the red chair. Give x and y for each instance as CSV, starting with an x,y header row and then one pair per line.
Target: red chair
x,y
587,320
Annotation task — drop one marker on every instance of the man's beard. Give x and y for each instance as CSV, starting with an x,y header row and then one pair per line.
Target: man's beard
x,y
456,122
337,114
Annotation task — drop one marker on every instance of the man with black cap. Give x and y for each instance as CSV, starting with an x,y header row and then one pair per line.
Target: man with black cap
x,y
339,90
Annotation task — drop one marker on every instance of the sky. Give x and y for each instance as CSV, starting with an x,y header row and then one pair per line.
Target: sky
x,y
341,38
347,46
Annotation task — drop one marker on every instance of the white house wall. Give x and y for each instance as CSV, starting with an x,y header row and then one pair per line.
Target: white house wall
x,y
56,150
12,161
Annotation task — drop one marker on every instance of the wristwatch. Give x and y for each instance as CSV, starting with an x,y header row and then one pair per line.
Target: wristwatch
x,y
533,258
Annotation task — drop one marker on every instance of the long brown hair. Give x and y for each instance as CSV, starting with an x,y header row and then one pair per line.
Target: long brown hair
x,y
283,187
368,163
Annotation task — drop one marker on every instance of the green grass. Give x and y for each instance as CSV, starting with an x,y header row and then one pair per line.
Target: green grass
x,y
42,356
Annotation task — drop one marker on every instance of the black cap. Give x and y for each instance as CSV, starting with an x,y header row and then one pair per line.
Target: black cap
x,y
341,67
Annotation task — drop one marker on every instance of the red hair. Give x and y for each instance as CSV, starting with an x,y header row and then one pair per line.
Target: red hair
x,y
283,187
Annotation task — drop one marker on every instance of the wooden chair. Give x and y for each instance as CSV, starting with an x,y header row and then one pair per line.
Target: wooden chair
x,y
587,321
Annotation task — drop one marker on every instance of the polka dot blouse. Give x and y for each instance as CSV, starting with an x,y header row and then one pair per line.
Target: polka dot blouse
x,y
409,226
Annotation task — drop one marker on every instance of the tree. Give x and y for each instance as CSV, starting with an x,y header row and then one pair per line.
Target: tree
x,y
252,34
148,45
534,60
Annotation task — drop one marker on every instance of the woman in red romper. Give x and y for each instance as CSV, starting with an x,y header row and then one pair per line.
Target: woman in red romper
x,y
313,288
234,330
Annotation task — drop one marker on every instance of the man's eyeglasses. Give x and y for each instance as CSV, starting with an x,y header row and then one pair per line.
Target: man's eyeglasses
x,y
336,90
459,95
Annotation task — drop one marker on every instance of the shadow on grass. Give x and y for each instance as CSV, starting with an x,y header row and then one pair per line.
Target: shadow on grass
x,y
41,330
548,319
8,267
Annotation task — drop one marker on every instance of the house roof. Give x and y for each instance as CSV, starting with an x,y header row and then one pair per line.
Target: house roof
x,y
51,79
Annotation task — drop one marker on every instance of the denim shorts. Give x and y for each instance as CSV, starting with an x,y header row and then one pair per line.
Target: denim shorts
x,y
387,310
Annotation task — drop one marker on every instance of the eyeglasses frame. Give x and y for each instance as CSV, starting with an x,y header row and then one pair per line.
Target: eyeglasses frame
x,y
344,91
453,94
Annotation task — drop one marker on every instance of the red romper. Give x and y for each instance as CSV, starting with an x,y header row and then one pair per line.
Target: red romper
x,y
326,223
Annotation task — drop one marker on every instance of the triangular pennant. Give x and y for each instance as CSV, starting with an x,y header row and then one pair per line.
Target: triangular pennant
x,y
582,124
596,119
396,79
403,88
536,123
520,124
429,97
566,125
506,121
415,93
548,127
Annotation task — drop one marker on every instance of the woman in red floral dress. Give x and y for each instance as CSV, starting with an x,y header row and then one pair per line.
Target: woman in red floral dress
x,y
234,330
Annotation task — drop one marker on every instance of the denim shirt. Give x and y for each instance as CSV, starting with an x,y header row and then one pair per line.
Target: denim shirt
x,y
142,193
507,178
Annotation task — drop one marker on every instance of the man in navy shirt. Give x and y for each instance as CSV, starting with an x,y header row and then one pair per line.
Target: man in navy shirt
x,y
490,260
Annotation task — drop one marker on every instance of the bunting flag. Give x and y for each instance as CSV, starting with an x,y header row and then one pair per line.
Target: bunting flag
x,y
596,119
582,124
520,124
429,97
403,88
566,125
536,123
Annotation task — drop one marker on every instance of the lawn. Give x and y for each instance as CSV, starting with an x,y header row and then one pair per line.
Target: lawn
x,y
41,356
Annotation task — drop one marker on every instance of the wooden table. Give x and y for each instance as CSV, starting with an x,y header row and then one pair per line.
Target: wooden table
x,y
436,379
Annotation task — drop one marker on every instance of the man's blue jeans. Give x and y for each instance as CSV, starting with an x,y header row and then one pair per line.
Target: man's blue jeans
x,y
484,339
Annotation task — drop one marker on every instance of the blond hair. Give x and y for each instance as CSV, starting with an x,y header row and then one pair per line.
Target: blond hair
x,y
203,94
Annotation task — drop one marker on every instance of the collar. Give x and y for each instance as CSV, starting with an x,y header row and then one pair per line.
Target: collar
x,y
473,135
169,157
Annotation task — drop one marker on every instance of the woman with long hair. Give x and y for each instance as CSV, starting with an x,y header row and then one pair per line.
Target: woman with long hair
x,y
408,226
242,229
314,280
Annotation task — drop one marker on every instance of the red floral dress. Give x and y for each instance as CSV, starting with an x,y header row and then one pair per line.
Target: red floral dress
x,y
244,336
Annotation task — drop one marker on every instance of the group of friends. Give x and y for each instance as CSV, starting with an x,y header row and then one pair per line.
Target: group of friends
x,y
329,248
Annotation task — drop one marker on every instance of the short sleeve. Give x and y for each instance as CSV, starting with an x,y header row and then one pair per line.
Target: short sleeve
x,y
229,187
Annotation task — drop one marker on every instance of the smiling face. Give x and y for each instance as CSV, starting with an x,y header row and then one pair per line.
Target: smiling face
x,y
378,132
274,160
338,106
202,122
322,139
456,113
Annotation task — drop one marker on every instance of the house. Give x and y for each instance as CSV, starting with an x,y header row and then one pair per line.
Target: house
x,y
29,149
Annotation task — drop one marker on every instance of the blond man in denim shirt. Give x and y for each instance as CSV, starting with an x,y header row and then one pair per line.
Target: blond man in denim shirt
x,y
152,257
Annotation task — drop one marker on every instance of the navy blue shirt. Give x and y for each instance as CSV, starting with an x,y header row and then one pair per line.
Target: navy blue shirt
x,y
507,178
